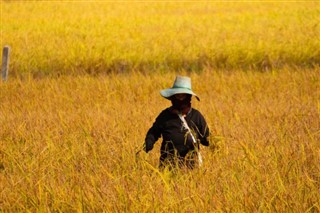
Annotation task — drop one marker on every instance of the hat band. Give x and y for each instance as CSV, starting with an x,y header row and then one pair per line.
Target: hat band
x,y
175,87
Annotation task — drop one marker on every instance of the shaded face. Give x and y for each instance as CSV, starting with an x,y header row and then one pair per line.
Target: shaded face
x,y
181,101
180,97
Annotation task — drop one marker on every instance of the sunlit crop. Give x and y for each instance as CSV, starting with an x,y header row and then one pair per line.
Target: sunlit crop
x,y
67,37
83,90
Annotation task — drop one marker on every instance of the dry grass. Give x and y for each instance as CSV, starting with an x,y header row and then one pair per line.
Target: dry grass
x,y
68,144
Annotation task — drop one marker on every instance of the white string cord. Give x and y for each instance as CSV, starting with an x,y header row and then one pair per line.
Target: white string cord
x,y
185,124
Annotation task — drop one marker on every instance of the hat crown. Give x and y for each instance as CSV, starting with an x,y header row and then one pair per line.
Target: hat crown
x,y
182,82
181,85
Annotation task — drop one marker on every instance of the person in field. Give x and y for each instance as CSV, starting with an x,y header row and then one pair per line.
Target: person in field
x,y
181,127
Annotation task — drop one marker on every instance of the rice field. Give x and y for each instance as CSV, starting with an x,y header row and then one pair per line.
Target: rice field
x,y
97,37
83,90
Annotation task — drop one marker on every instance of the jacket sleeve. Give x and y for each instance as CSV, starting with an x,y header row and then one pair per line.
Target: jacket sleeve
x,y
202,130
153,134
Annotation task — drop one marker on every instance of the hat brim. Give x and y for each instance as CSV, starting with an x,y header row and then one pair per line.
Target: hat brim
x,y
167,93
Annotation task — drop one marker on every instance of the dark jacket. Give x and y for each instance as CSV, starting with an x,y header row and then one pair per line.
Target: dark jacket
x,y
174,135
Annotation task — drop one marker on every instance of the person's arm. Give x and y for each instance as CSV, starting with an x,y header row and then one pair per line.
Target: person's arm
x,y
204,131
201,128
153,134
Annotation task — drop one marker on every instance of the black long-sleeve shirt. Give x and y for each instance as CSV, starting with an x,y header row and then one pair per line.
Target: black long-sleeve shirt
x,y
174,134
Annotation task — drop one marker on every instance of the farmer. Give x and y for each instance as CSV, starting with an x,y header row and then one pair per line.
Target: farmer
x,y
182,128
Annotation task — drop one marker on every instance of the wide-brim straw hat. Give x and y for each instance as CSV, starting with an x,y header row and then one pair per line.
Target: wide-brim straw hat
x,y
181,85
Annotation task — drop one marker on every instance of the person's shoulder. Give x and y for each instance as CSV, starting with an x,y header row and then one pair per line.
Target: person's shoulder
x,y
196,113
164,112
